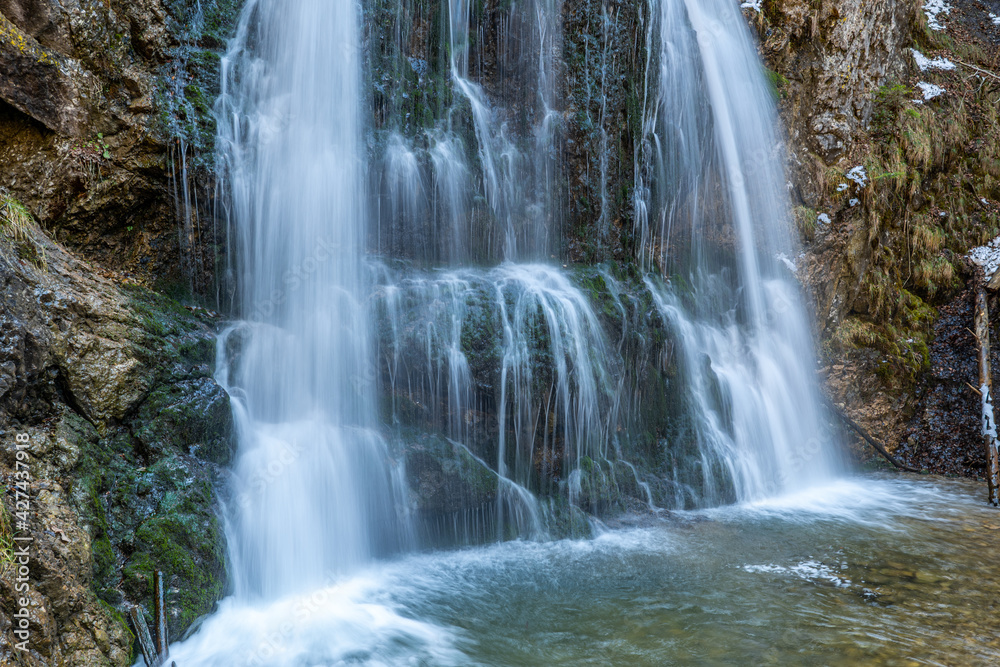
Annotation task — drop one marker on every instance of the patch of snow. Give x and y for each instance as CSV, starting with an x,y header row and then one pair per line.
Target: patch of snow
x,y
858,175
987,256
943,214
842,187
933,9
925,63
989,425
823,218
854,202
995,18
809,570
752,4
930,90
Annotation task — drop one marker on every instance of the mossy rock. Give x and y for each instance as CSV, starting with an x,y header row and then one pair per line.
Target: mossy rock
x,y
445,477
192,416
144,488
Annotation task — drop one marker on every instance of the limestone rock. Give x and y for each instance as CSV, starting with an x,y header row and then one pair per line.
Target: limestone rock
x,y
40,82
127,428
834,53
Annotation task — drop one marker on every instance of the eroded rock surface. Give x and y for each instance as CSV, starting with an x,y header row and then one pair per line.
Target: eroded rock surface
x,y
113,384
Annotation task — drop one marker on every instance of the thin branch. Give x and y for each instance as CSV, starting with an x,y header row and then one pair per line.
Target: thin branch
x,y
979,69
876,445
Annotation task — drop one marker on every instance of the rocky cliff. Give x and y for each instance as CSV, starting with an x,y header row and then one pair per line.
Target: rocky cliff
x,y
104,116
894,143
110,381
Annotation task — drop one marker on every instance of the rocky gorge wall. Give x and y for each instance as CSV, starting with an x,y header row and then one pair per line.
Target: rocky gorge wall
x,y
893,186
105,145
110,378
102,104
112,384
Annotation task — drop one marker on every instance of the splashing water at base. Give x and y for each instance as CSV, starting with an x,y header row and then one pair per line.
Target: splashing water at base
x,y
754,397
867,570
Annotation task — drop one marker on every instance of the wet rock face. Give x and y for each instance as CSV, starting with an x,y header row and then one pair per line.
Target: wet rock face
x,y
40,82
833,54
113,384
444,477
944,435
69,626
41,19
603,90
87,118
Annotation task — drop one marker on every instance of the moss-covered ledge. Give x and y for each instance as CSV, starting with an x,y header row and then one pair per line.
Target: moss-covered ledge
x,y
129,431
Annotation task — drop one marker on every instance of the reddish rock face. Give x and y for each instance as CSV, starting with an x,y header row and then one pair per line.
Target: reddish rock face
x,y
84,114
40,82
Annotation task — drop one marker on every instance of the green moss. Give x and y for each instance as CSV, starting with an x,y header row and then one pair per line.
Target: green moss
x,y
902,343
779,84
481,340
192,417
183,538
16,223
220,18
930,168
148,502
482,481
105,567
159,315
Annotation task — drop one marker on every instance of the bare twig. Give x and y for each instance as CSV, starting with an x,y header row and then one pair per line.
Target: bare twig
x,y
979,69
876,445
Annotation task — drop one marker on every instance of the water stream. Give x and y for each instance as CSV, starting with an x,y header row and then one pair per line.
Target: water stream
x,y
315,493
669,413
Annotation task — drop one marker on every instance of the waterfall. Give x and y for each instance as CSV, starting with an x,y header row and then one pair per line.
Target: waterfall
x,y
519,173
685,382
723,234
315,492
323,333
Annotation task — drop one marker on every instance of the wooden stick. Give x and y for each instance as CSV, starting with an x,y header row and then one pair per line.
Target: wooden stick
x,y
979,69
142,635
162,650
988,424
876,445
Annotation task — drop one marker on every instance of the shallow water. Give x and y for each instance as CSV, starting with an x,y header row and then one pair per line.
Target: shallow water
x,y
869,570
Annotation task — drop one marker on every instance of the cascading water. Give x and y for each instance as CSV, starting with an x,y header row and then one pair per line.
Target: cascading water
x,y
722,229
518,187
316,494
512,366
541,367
